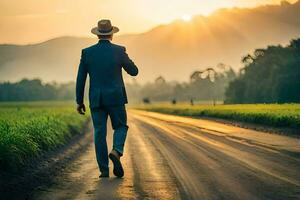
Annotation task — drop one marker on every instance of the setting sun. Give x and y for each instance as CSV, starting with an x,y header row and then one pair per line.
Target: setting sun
x,y
186,18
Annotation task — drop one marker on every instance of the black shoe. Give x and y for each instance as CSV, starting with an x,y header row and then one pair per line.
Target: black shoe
x,y
104,175
118,169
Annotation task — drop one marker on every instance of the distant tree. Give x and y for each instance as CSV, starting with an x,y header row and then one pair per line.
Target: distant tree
x,y
174,101
160,80
210,84
192,101
35,90
270,75
146,100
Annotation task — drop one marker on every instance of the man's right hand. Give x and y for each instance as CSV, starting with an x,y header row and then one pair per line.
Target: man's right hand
x,y
81,109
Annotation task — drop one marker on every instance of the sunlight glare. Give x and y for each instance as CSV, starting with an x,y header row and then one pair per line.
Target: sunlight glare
x,y
186,18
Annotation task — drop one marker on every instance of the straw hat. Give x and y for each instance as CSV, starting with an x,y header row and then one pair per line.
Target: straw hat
x,y
104,28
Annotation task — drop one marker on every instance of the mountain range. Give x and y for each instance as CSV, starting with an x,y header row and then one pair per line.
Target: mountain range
x,y
172,50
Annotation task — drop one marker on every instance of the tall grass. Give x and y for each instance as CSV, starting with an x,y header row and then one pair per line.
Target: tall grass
x,y
284,115
28,130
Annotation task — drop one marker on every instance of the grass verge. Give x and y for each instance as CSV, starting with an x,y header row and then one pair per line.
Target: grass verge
x,y
275,115
27,130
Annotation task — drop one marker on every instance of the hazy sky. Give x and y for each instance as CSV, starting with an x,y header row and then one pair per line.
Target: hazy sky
x,y
37,20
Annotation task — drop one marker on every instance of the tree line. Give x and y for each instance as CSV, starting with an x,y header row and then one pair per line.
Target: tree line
x,y
205,85
35,90
208,84
270,75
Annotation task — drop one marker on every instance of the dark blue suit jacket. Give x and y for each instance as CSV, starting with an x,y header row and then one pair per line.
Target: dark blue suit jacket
x,y
104,62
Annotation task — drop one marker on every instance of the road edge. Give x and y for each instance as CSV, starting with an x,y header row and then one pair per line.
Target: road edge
x,y
286,131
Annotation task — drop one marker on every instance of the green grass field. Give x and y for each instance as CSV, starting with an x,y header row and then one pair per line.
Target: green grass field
x,y
285,115
29,129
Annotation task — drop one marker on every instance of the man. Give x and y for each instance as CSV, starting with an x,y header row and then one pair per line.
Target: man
x,y
104,62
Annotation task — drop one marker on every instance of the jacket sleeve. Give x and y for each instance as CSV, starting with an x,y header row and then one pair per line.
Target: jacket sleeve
x,y
128,64
81,79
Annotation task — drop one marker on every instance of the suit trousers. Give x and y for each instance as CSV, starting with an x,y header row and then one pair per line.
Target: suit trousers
x,y
118,118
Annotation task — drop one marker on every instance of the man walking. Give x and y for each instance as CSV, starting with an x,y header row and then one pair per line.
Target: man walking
x,y
107,95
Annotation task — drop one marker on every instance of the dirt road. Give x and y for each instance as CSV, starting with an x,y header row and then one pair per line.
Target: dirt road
x,y
169,157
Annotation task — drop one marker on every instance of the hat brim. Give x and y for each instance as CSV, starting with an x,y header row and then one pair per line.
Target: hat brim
x,y
96,31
